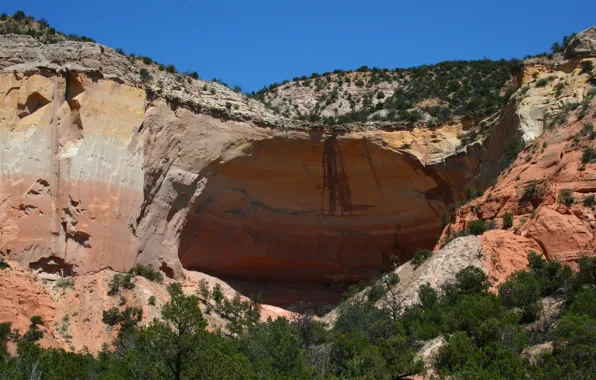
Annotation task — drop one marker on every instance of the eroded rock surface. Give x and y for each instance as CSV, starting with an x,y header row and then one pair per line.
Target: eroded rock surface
x,y
101,170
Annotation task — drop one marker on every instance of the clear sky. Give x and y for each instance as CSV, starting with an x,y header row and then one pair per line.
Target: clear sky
x,y
258,42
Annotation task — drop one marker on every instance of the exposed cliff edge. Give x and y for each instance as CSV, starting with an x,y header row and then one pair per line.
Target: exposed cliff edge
x,y
102,170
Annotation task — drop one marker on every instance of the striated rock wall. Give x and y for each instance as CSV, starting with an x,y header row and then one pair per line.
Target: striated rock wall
x,y
95,175
100,170
71,176
546,188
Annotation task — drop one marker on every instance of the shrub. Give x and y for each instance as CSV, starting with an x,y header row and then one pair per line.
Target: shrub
x,y
477,227
171,69
217,294
4,264
152,300
147,60
64,283
522,290
147,272
111,316
507,220
37,320
120,281
541,82
566,198
420,256
589,155
392,279
376,291
589,201
587,67
194,75
512,148
471,280
19,15
43,23
530,191
145,75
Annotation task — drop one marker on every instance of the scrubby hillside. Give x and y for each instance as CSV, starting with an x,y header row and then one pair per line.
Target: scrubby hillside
x,y
431,94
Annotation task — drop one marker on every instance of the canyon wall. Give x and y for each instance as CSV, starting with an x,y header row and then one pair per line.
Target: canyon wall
x,y
101,170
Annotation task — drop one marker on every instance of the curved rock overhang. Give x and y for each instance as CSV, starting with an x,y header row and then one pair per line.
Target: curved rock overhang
x,y
322,210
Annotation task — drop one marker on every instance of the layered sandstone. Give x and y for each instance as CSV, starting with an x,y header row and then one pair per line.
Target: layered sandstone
x,y
101,170
546,188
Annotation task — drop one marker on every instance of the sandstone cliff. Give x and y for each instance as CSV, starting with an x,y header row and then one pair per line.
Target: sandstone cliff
x,y
102,168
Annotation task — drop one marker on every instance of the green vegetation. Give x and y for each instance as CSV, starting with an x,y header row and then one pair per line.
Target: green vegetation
x,y
589,201
566,198
507,220
530,191
125,280
460,88
20,23
477,227
589,155
485,334
145,75
146,271
4,264
587,67
420,256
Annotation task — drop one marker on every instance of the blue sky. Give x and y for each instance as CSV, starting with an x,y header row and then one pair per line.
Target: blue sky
x,y
255,43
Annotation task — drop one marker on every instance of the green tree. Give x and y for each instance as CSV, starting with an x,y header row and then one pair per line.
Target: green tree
x,y
274,349
507,220
522,290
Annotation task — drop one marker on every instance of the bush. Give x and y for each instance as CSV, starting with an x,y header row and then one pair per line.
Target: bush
x,y
541,82
512,148
19,15
171,69
36,320
420,256
376,291
4,264
530,191
64,283
471,280
147,272
152,300
145,75
589,155
589,201
507,220
522,290
587,67
566,198
120,281
477,227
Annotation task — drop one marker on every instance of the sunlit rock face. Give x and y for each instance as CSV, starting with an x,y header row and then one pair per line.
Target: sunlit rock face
x,y
71,176
100,170
96,176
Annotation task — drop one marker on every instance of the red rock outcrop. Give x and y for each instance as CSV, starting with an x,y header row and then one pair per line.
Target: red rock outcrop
x,y
547,190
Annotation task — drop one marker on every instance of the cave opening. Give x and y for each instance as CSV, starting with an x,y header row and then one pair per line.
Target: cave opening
x,y
300,219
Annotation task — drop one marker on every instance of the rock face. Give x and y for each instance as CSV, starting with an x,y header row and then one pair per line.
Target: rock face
x,y
101,171
547,190
582,45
